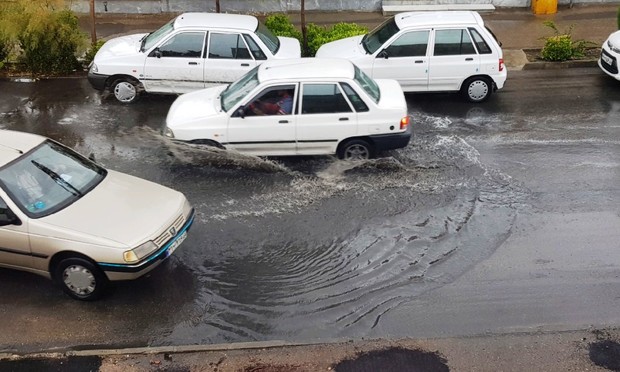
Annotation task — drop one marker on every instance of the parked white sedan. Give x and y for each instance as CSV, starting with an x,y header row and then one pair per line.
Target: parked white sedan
x,y
296,107
192,51
66,218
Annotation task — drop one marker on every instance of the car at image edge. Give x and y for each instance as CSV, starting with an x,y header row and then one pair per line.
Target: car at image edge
x,y
66,218
610,54
435,51
190,52
332,107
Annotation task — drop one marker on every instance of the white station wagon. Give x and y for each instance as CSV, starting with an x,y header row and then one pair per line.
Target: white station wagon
x,y
192,51
429,52
66,218
297,107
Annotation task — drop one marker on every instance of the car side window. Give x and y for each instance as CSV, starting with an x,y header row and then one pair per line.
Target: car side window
x,y
256,51
228,46
481,44
355,99
6,215
410,44
453,42
323,99
186,45
275,100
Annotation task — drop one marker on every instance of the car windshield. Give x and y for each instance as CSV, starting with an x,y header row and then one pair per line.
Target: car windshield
x,y
151,39
239,89
49,178
367,84
377,37
271,41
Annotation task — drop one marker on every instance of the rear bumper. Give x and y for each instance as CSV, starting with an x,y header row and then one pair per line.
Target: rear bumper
x,y
127,272
391,141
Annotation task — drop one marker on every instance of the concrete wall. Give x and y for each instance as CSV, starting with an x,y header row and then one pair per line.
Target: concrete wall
x,y
227,6
271,6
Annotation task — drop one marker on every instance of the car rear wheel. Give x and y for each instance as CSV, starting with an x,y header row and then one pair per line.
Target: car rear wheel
x,y
125,90
356,150
477,89
80,278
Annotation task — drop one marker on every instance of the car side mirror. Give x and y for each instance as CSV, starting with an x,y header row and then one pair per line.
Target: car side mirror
x,y
9,218
156,53
383,54
240,112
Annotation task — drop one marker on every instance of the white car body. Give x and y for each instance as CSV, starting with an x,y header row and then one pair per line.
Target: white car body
x,y
610,55
102,222
329,110
429,52
192,51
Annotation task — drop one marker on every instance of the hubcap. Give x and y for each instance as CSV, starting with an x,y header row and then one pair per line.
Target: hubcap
x,y
356,152
478,90
125,92
79,280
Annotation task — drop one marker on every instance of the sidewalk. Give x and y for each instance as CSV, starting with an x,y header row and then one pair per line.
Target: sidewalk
x,y
516,28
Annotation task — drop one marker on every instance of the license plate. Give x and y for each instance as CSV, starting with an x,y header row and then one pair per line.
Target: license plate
x,y
175,244
607,59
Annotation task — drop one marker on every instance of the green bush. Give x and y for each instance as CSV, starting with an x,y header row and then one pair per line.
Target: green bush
x,y
90,53
43,36
561,47
281,25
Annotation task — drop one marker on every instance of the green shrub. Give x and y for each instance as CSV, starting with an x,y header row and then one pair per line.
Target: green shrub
x,y
281,25
561,47
90,53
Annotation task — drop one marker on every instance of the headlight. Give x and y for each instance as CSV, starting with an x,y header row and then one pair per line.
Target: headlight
x,y
139,252
93,68
168,132
613,48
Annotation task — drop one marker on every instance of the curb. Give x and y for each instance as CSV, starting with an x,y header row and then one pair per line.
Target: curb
x,y
559,65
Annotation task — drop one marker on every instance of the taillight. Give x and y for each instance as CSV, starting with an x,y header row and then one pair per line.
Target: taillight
x,y
501,64
404,122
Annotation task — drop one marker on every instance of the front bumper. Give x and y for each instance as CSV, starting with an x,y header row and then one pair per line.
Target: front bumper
x,y
97,81
133,271
608,62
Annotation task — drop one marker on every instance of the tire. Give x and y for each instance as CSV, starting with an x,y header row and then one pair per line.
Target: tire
x,y
477,89
81,279
356,150
125,90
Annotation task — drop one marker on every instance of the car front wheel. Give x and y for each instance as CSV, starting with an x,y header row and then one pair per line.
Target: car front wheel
x,y
80,278
125,90
477,89
356,150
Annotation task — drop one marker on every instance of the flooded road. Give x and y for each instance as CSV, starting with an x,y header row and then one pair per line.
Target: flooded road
x,y
310,248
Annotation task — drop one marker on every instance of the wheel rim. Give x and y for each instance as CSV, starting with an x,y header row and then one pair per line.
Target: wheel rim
x,y
79,280
125,91
478,90
356,152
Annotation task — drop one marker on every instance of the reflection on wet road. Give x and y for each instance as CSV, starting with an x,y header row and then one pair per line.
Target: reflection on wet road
x,y
289,248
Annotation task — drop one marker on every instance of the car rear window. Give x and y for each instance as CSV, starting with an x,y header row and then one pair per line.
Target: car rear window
x,y
365,82
271,41
481,44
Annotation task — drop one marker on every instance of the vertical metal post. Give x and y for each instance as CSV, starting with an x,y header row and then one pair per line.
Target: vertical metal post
x,y
93,31
217,6
304,35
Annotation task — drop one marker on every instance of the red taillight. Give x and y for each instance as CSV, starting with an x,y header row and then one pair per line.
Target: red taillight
x,y
404,122
501,64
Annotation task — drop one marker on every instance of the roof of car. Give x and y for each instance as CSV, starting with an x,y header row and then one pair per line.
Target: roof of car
x,y
14,144
437,18
216,20
306,68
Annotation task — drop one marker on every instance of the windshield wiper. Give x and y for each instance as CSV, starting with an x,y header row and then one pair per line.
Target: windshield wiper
x,y
58,179
143,41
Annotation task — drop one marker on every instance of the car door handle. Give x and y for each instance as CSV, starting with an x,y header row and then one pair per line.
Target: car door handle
x,y
343,119
419,61
193,63
245,64
283,122
469,59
